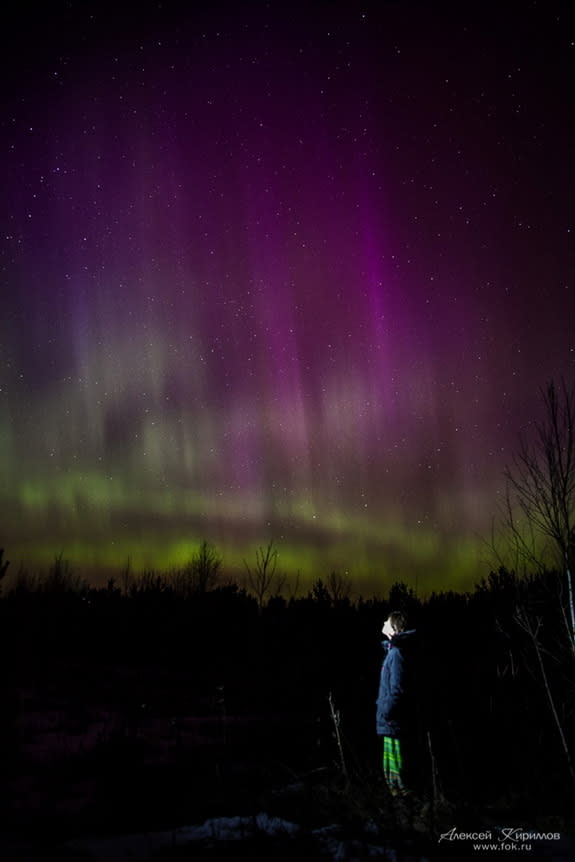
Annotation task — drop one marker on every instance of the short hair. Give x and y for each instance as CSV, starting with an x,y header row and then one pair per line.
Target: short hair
x,y
398,621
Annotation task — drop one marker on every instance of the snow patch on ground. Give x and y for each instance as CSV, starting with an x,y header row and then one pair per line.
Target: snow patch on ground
x,y
139,847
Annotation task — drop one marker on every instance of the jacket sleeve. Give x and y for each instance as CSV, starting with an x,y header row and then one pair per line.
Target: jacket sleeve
x,y
396,687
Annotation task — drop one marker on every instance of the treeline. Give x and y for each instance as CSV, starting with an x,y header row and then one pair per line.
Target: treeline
x,y
496,690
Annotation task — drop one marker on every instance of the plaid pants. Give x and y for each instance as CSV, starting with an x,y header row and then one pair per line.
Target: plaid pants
x,y
393,763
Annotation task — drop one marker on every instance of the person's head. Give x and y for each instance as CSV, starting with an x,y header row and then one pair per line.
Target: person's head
x,y
394,624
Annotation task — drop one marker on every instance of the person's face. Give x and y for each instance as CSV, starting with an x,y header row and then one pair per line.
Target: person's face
x,y
387,629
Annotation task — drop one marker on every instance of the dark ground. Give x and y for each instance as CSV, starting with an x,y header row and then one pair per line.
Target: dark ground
x,y
146,714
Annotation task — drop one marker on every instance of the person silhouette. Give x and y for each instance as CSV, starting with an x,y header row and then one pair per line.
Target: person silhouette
x,y
394,715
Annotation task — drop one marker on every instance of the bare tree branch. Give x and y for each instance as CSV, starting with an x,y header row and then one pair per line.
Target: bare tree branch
x,y
261,577
541,486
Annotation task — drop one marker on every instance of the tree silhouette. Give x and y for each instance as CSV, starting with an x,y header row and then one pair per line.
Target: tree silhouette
x,y
3,564
339,586
261,577
541,482
206,564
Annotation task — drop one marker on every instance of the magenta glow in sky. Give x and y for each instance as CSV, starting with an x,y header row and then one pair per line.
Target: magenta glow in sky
x,y
279,274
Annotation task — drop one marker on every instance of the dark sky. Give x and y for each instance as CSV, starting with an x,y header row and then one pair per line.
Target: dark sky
x,y
269,272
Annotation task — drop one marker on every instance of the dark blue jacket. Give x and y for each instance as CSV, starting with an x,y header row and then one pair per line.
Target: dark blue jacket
x,y
394,701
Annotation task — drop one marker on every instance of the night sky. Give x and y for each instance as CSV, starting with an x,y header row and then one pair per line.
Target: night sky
x,y
279,272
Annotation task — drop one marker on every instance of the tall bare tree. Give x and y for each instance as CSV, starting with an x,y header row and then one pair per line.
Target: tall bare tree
x,y
541,483
261,577
205,566
3,564
339,586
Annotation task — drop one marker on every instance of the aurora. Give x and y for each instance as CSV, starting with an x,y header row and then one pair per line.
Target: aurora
x,y
277,276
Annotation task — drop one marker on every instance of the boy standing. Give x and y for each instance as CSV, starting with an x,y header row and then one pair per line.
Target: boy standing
x,y
394,707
